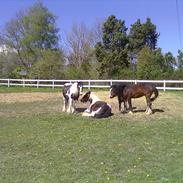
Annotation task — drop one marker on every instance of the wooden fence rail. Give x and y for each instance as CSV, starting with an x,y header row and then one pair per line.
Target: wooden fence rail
x,y
161,84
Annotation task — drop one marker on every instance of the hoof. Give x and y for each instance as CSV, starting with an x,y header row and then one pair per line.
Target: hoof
x,y
149,112
130,112
85,114
68,111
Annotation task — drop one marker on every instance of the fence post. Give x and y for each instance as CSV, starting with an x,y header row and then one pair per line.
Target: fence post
x,y
23,81
37,83
110,83
164,85
135,81
89,84
53,84
8,82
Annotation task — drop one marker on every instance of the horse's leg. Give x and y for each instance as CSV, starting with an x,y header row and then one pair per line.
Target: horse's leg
x,y
64,104
125,106
149,104
119,101
70,105
73,106
130,105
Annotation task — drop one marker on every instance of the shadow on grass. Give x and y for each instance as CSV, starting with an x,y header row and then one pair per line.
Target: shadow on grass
x,y
143,111
153,111
80,110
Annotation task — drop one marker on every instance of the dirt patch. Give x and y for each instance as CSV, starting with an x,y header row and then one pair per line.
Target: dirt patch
x,y
166,105
26,97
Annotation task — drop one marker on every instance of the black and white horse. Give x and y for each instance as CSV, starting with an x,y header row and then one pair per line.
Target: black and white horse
x,y
71,93
97,108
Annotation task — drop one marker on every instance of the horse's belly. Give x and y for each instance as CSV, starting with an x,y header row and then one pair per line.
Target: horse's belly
x,y
138,95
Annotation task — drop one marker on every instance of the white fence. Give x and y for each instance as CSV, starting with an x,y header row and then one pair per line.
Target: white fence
x,y
161,84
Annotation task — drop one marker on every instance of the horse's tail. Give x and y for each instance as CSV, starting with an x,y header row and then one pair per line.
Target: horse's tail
x,y
156,93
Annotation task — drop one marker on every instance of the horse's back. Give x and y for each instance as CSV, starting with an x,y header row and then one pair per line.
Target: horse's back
x,y
138,90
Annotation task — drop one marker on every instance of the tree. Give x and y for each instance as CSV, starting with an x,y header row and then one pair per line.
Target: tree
x,y
141,35
150,64
111,52
80,54
151,35
50,66
8,63
30,32
136,37
170,61
180,59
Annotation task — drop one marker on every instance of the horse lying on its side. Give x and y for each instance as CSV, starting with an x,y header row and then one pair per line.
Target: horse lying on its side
x,y
126,92
97,108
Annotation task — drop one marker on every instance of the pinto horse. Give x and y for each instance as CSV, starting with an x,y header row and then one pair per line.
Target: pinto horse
x,y
126,92
97,108
71,93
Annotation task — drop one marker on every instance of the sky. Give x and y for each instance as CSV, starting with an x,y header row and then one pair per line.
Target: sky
x,y
162,13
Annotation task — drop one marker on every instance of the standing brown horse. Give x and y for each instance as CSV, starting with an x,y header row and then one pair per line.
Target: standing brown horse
x,y
126,92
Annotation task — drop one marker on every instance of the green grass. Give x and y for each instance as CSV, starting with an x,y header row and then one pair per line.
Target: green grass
x,y
39,143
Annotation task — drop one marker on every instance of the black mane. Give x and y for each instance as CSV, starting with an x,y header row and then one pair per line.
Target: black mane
x,y
118,88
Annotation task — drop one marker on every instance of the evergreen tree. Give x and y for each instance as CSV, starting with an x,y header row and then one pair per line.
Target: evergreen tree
x,y
151,36
136,37
150,64
141,35
170,61
112,51
180,59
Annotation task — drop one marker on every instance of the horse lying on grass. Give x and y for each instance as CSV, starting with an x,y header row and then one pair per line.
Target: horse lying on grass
x,y
71,93
97,108
126,92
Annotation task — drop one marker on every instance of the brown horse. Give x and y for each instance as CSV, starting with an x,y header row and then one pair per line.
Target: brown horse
x,y
126,92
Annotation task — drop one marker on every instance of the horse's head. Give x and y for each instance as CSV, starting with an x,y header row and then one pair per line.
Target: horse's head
x,y
86,97
116,90
80,87
113,91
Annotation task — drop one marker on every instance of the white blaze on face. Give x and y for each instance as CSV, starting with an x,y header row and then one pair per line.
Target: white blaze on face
x,y
110,93
80,89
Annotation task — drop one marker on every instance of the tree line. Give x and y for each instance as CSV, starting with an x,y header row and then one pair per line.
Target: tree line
x,y
108,50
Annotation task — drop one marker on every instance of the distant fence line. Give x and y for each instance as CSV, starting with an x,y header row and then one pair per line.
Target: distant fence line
x,y
161,84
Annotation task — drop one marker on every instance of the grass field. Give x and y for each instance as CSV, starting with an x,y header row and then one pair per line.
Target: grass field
x,y
39,143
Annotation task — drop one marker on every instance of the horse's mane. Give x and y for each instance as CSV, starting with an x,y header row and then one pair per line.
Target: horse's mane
x,y
119,87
